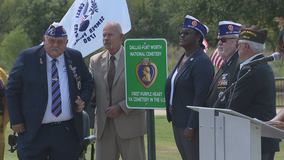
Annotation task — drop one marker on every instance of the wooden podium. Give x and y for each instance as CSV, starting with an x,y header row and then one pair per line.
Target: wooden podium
x,y
228,135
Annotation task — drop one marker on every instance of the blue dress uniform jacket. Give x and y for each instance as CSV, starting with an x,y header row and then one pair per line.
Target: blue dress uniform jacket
x,y
255,97
27,92
191,86
223,79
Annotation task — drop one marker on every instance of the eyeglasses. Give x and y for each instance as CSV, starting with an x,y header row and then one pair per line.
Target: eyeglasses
x,y
238,44
53,41
282,49
185,33
223,40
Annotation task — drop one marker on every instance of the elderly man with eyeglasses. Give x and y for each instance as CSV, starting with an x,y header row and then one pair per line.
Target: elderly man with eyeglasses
x,y
47,90
227,38
255,95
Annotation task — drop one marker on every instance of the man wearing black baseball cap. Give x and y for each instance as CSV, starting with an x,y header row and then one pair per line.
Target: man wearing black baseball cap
x,y
255,95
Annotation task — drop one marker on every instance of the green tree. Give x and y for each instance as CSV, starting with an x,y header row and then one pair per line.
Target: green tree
x,y
246,12
149,19
37,15
7,13
11,46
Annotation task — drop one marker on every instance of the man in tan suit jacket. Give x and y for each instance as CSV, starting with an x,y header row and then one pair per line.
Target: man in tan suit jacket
x,y
119,130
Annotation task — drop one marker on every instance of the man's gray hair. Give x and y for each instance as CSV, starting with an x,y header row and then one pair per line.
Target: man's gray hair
x,y
255,47
115,24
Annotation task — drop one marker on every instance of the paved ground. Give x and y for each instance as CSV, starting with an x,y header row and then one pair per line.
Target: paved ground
x,y
163,112
160,112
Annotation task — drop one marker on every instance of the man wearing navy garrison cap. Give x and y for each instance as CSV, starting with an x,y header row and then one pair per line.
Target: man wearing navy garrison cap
x,y
255,96
47,90
227,38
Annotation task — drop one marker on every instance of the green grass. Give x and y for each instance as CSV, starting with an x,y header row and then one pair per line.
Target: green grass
x,y
165,145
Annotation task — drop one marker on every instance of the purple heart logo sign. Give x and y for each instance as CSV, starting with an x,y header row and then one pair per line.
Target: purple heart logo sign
x,y
146,72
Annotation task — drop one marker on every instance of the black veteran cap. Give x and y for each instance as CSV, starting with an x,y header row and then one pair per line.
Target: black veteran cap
x,y
253,33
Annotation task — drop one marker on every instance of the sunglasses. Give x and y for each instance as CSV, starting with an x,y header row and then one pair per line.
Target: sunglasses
x,y
185,33
282,49
223,40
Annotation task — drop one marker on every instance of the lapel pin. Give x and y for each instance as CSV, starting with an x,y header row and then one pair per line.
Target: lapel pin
x,y
229,63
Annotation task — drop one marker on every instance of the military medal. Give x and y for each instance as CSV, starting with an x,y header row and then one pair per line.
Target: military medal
x,y
77,78
222,86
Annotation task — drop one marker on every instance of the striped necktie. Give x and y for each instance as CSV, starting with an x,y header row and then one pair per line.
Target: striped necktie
x,y
56,96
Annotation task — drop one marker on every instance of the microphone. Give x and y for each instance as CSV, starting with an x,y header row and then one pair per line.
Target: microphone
x,y
274,57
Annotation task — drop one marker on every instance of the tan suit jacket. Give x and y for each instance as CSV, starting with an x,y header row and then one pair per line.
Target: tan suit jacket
x,y
130,123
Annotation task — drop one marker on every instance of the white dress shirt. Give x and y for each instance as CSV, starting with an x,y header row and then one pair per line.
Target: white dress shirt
x,y
248,60
173,86
116,55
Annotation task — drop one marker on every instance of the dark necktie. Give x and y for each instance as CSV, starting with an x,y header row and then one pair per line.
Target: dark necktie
x,y
110,75
224,63
56,96
221,67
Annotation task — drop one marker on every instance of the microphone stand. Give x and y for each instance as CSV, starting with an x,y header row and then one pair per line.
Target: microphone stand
x,y
249,72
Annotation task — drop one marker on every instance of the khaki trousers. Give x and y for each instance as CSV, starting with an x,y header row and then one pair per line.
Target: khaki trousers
x,y
110,146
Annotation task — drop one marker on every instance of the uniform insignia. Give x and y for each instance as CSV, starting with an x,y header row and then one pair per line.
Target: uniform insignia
x,y
223,81
229,63
77,78
222,86
224,75
223,98
194,23
146,72
231,27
